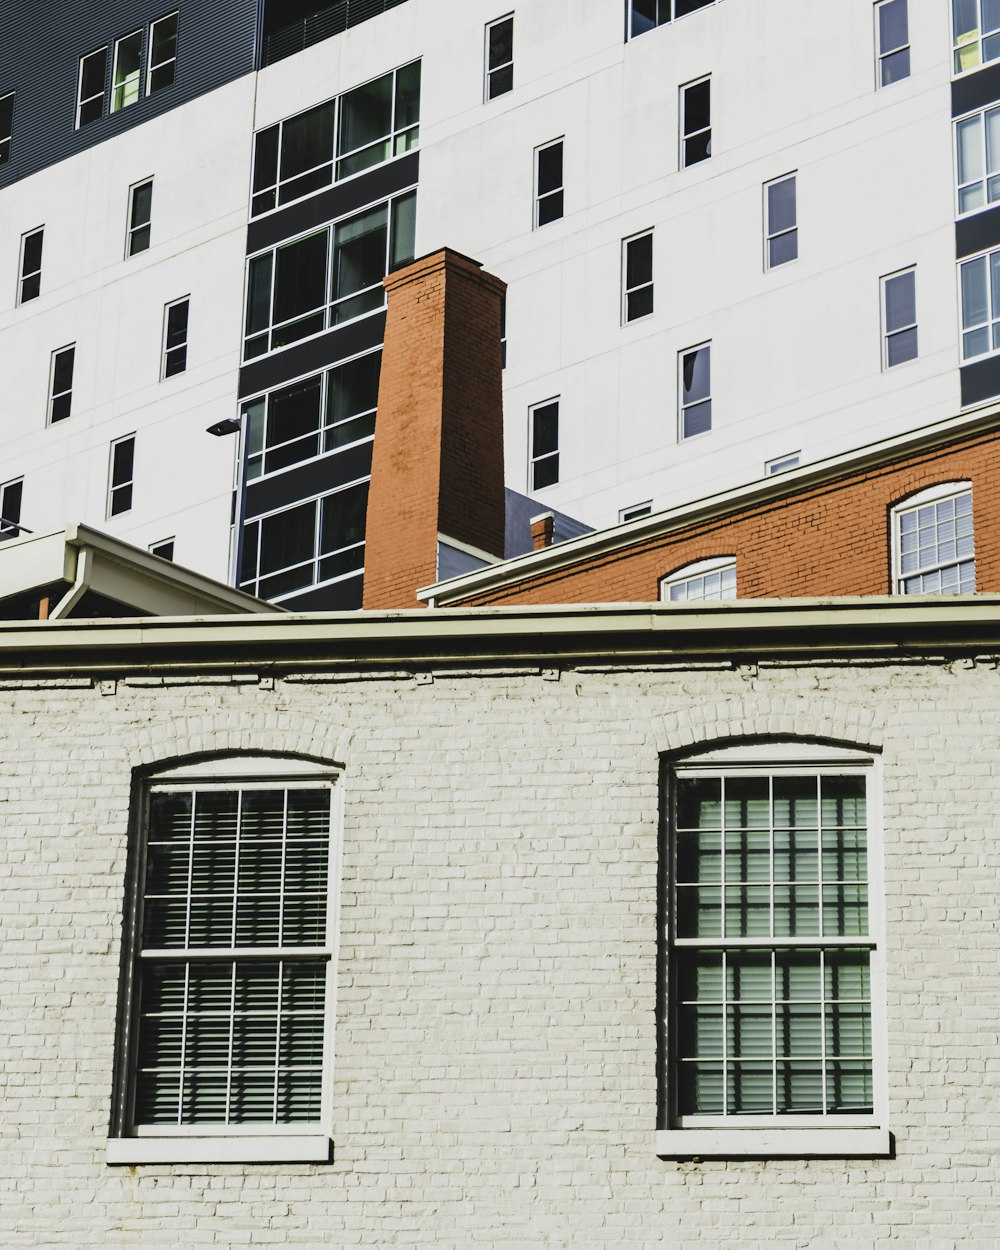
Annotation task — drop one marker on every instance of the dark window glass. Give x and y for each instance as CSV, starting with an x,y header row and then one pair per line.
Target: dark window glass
x,y
127,87
782,232
407,98
10,509
900,318
259,295
293,426
644,17
307,152
164,550
140,217
682,7
163,53
93,79
545,445
299,289
265,169
503,331
31,266
638,277
6,126
696,388
176,339
61,399
404,230
352,396
365,125
342,526
549,183
360,259
697,104
122,460
500,58
287,549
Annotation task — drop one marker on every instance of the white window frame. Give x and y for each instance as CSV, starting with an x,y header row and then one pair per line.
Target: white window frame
x,y
129,91
154,549
53,394
534,460
488,69
683,407
650,286
783,464
635,512
10,527
80,101
7,140
972,48
208,1141
132,228
126,483
992,323
988,176
914,503
695,575
823,1134
769,235
34,273
171,60
882,54
685,135
552,192
887,334
165,350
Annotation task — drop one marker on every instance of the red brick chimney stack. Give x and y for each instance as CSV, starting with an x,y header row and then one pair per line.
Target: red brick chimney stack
x,y
437,463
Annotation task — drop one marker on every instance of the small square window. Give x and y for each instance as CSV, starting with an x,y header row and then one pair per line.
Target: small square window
x,y
637,277
164,549
61,383
899,318
782,464
175,338
500,57
544,444
140,216
162,68
121,476
696,390
30,284
6,126
696,122
10,508
781,242
92,89
127,76
548,183
892,42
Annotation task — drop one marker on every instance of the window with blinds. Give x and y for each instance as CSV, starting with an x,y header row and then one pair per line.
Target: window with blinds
x,y
771,947
233,958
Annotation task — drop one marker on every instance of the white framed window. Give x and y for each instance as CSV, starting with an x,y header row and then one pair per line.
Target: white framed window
x,y
543,420
163,547
696,122
899,317
635,511
121,475
637,277
225,1037
977,160
645,15
11,494
92,87
781,464
162,68
6,126
327,277
126,78
30,268
61,383
709,580
499,57
933,542
695,382
775,1026
781,226
975,32
979,278
548,183
138,234
175,337
892,42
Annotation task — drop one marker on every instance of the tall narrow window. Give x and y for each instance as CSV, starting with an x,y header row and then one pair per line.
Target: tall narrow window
x,y
696,390
713,579
899,318
61,383
545,444
976,30
644,15
162,69
175,337
10,508
933,543
696,122
140,215
503,330
92,87
6,126
980,280
121,475
30,285
892,38
781,243
977,156
637,277
500,57
548,183
126,78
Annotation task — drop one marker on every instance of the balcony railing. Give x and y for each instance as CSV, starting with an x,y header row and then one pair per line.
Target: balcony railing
x,y
331,20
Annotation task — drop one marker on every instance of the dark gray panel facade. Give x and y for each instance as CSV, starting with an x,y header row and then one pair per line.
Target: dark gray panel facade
x,y
980,381
978,232
40,50
975,91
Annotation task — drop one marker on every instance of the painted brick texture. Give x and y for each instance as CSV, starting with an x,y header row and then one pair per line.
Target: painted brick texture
x,y
496,1029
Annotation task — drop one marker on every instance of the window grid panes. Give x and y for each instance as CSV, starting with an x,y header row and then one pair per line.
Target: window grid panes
x,y
696,390
548,183
162,68
899,318
645,15
30,285
121,475
61,384
976,31
544,445
977,156
980,282
140,216
127,76
712,584
10,508
91,90
935,547
637,277
892,34
6,126
175,337
500,57
772,946
781,222
696,122
234,957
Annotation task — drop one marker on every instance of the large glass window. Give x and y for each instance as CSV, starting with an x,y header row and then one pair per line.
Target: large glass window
x,y
934,547
976,32
980,280
977,155
644,15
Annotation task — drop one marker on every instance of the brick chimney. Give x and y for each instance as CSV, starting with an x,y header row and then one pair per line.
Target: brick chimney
x,y
437,461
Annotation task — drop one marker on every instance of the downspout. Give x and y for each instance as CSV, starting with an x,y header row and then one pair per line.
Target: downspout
x,y
79,588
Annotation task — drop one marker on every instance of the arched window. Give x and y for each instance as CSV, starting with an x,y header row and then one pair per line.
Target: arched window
x,y
705,579
933,549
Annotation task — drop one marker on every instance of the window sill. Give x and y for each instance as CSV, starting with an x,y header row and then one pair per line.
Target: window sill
x,y
312,1148
776,1143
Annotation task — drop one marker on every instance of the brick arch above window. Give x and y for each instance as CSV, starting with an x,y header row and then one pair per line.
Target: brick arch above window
x,y
238,732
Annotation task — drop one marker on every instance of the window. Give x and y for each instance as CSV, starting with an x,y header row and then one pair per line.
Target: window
x,y
783,463
696,390
91,90
30,285
977,155
140,214
646,15
636,511
328,277
316,416
892,42
6,126
637,277
544,444
175,337
164,549
934,551
548,183
126,78
162,69
773,974
313,543
703,580
10,508
696,122
500,57
976,28
61,383
980,281
503,330
229,959
304,153
780,222
121,475
899,318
